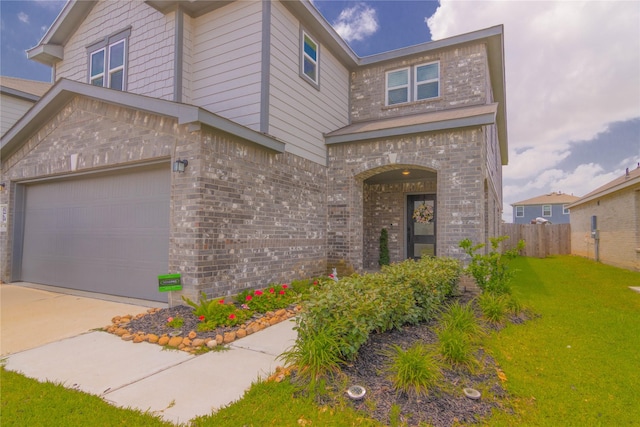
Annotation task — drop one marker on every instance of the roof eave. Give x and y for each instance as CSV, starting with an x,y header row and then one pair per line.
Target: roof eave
x,y
477,120
614,189
19,94
63,91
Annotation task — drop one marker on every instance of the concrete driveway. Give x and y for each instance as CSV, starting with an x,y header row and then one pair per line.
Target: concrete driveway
x,y
31,317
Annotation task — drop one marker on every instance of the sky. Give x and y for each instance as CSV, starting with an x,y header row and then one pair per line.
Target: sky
x,y
572,75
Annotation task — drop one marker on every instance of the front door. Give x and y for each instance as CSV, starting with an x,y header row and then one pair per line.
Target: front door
x,y
421,225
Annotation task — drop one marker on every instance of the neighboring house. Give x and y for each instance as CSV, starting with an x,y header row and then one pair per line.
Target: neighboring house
x,y
616,208
295,152
17,96
552,207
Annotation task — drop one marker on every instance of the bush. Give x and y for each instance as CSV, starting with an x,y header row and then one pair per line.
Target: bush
x,y
216,313
384,247
413,371
357,305
491,271
455,348
494,307
273,297
316,353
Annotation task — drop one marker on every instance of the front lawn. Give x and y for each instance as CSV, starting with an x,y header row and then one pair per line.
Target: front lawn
x,y
578,364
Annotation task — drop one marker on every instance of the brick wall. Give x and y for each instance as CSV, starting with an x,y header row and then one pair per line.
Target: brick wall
x,y
463,82
245,217
619,224
454,156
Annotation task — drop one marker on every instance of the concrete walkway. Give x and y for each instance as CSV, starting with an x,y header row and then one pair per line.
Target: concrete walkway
x,y
172,384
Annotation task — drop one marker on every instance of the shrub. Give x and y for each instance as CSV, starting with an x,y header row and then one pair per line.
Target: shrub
x,y
462,318
413,371
491,271
216,313
384,247
273,297
494,307
316,353
357,305
455,347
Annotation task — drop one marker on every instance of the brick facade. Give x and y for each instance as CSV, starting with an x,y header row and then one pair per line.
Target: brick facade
x,y
242,216
619,225
456,159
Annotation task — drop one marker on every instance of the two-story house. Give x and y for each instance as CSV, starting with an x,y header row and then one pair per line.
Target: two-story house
x,y
243,142
552,207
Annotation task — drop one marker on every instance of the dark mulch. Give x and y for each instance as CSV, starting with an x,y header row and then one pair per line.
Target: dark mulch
x,y
445,406
156,323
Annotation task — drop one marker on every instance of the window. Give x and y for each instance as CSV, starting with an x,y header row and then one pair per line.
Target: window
x,y
427,81
519,211
309,59
565,210
397,86
546,210
107,61
425,84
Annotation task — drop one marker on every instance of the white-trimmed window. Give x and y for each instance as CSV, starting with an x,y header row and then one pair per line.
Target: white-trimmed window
x,y
412,84
519,211
565,209
309,58
427,81
546,210
397,86
108,61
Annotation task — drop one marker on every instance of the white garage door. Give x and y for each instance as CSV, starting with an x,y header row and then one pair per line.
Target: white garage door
x,y
106,233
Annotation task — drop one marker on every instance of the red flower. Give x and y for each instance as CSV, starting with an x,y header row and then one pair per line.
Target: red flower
x,y
282,292
221,301
331,275
285,286
272,290
232,316
249,298
201,318
258,293
170,319
315,282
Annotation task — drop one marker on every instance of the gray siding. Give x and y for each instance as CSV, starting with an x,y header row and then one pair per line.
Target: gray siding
x,y
299,113
226,63
11,110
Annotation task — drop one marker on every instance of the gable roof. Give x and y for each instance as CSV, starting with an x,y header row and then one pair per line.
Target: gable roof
x,y
548,199
629,179
30,90
64,90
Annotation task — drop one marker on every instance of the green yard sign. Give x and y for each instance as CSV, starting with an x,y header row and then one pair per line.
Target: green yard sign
x,y
169,282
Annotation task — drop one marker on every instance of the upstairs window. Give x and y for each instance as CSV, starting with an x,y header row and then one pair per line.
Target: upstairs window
x,y
309,59
427,81
108,61
413,84
546,210
397,87
519,211
565,209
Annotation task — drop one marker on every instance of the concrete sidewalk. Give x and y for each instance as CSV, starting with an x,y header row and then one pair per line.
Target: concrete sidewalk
x,y
172,384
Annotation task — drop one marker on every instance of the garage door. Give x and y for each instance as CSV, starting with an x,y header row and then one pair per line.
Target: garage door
x,y
106,233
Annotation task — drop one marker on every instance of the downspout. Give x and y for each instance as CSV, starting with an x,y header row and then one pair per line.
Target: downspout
x,y
179,47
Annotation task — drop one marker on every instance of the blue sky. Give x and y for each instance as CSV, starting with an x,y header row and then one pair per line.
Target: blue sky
x,y
572,73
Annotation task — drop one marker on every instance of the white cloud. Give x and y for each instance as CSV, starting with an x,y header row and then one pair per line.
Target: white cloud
x,y
571,67
357,22
23,17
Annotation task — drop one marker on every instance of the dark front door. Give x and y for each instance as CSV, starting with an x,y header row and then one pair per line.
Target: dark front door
x,y
421,225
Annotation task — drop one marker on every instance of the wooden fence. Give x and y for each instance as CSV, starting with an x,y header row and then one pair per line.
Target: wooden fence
x,y
540,240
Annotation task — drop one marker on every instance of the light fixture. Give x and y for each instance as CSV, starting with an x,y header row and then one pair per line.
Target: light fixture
x,y
179,165
405,172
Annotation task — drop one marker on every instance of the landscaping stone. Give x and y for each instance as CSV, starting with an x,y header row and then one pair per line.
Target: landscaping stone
x,y
152,338
229,337
212,344
163,340
174,341
192,335
241,333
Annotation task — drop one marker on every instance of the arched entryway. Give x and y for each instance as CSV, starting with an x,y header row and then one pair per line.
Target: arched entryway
x,y
391,196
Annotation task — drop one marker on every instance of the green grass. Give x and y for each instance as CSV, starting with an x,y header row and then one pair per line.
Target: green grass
x,y
273,404
579,363
27,402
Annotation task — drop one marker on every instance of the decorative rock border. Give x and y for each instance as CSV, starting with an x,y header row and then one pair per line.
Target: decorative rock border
x,y
191,343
